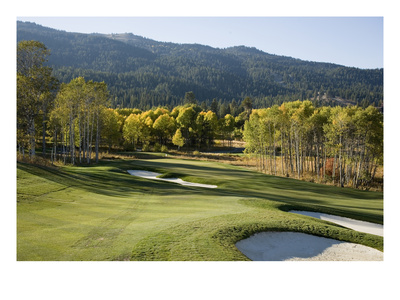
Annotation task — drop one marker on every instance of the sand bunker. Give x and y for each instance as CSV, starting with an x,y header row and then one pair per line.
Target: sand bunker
x,y
295,246
153,176
361,226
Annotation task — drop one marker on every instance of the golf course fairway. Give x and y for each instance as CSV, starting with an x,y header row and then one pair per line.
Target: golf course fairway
x,y
101,212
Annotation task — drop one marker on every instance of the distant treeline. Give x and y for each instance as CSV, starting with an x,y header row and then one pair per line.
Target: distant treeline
x,y
147,89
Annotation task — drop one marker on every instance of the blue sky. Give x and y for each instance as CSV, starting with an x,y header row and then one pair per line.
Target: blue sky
x,y
349,41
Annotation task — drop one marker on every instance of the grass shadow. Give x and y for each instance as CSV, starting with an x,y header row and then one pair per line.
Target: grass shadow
x,y
110,182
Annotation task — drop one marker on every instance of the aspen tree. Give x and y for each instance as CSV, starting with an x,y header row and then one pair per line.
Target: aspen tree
x,y
36,90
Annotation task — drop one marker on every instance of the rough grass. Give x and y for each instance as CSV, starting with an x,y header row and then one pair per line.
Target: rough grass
x,y
103,213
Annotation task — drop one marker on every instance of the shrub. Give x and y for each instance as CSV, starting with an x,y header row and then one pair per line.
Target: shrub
x,y
146,147
164,149
157,147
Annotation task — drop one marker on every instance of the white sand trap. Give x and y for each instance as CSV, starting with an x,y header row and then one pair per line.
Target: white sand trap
x,y
361,226
153,176
295,246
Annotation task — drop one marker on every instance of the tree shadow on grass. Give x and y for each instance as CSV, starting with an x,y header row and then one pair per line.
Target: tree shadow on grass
x,y
262,180
106,182
111,178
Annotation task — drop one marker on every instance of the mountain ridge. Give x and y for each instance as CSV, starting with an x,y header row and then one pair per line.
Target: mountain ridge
x,y
142,72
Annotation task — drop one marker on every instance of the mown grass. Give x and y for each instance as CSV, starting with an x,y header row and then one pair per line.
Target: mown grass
x,y
102,213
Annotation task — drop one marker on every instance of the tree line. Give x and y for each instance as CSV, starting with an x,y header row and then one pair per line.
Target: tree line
x,y
342,144
73,120
142,88
76,120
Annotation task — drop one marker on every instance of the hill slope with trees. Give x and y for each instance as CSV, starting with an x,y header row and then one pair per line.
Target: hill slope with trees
x,y
74,120
143,73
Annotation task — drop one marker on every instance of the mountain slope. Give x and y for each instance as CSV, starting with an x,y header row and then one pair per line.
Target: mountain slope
x,y
85,51
142,73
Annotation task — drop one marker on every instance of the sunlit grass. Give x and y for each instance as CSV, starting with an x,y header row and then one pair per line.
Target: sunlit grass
x,y
101,212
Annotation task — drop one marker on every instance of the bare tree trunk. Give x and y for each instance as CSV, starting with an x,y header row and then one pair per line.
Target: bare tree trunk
x,y
290,152
324,164
264,158
55,143
44,136
64,142
374,171
84,140
282,155
72,139
334,169
317,165
97,136
359,165
340,162
80,138
88,139
91,140
297,154
274,150
32,141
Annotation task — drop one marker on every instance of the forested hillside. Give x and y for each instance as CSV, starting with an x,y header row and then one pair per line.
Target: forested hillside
x,y
143,73
74,121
